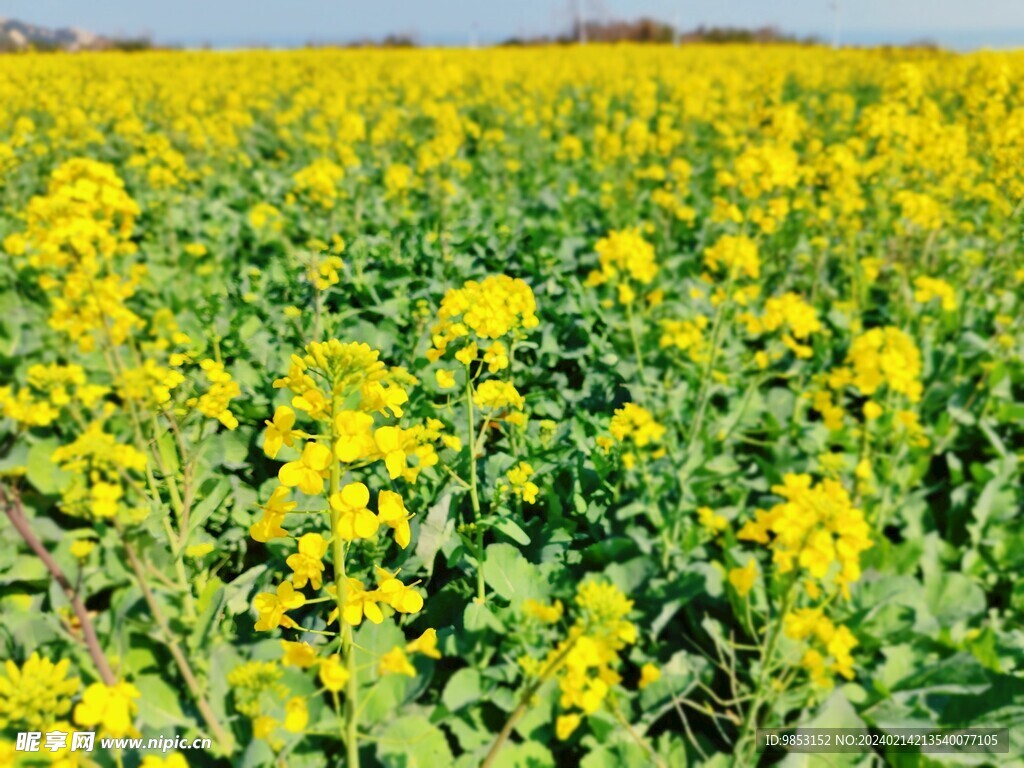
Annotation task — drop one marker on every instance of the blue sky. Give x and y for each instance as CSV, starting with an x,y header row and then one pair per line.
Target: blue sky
x,y
955,23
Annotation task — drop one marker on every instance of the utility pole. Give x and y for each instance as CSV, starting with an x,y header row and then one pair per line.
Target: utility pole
x,y
835,23
581,29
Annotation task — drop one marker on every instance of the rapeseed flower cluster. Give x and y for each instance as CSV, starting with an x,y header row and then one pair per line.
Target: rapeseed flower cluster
x,y
882,357
482,312
110,709
626,260
687,336
636,432
816,537
260,695
77,239
815,533
319,182
50,388
585,662
734,255
340,389
829,645
520,483
215,402
481,322
762,170
78,243
36,695
928,288
793,315
881,364
101,469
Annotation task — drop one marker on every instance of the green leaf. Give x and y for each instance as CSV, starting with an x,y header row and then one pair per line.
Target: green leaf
x,y
412,742
477,618
470,732
630,575
140,658
994,440
230,448
434,532
389,692
26,568
527,754
835,712
237,592
162,708
511,575
463,688
676,676
46,476
204,509
511,528
780,405
953,597
211,604
961,674
168,450
16,457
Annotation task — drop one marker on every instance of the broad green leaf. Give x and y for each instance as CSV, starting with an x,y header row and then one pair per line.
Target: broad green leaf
x,y
162,708
527,754
46,476
511,528
463,688
412,742
511,575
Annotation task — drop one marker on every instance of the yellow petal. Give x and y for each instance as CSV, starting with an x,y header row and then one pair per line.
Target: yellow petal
x,y
355,495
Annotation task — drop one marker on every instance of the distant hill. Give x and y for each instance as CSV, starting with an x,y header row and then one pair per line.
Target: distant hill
x,y
20,36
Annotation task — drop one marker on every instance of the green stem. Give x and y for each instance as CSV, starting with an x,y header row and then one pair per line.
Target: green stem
x,y
317,311
716,332
481,589
222,736
177,551
474,494
754,386
635,735
116,368
635,336
525,699
766,659
349,720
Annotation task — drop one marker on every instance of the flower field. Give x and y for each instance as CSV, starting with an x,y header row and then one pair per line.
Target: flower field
x,y
559,406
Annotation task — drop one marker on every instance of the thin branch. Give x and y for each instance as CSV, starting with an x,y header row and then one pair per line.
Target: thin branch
x,y
223,737
686,726
16,514
644,744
